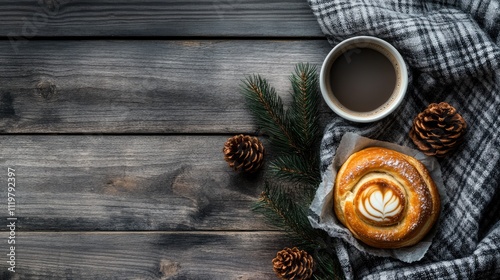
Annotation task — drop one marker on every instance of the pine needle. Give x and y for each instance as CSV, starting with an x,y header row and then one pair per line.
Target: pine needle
x,y
327,266
268,110
283,211
304,112
295,168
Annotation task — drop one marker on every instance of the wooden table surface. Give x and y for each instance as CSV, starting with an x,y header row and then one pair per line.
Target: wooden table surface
x,y
113,115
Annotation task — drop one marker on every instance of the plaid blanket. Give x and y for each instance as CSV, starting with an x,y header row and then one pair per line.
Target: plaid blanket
x,y
453,54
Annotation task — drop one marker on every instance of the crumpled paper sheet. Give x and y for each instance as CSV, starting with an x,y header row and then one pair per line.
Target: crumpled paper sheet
x,y
323,216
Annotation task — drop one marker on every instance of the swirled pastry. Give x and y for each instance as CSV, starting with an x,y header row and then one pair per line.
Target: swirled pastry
x,y
385,198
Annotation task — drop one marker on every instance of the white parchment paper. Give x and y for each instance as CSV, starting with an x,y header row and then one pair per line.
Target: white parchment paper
x,y
323,216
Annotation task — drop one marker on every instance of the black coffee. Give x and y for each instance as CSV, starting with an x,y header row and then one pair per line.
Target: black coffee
x,y
362,79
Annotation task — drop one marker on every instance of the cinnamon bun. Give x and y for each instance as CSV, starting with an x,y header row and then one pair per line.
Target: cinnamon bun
x,y
385,198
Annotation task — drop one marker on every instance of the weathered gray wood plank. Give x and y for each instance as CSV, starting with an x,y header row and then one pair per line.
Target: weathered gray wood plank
x,y
86,183
143,255
141,86
26,19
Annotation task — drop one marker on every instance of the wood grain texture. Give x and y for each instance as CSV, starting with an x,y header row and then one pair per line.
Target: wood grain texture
x,y
26,19
141,86
145,256
84,183
162,204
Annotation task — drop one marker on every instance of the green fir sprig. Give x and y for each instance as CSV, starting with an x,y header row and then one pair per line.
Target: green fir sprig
x,y
295,168
268,110
295,132
294,135
304,110
285,213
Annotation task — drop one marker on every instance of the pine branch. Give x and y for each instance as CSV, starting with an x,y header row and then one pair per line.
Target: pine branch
x,y
296,168
327,266
290,215
268,110
281,211
304,112
294,135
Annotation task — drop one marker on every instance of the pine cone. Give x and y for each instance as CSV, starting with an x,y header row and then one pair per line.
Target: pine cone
x,y
438,129
244,153
293,264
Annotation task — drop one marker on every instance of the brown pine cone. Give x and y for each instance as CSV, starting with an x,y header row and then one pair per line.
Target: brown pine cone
x,y
293,264
244,153
438,129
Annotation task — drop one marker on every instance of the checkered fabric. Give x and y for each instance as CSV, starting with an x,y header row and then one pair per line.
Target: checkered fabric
x,y
453,55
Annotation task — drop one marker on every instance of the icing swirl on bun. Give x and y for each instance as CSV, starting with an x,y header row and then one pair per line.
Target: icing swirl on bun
x,y
379,203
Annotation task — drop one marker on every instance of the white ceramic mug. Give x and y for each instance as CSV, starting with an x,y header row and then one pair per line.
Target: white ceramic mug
x,y
348,48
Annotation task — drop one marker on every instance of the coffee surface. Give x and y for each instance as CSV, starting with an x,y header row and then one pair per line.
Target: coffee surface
x,y
362,79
